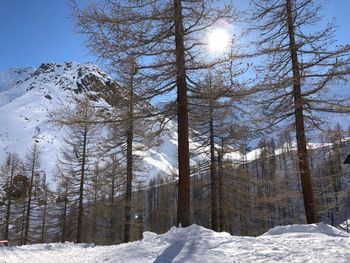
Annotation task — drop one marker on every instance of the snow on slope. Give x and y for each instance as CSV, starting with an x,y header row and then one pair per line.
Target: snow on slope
x,y
10,77
27,96
295,243
31,94
25,108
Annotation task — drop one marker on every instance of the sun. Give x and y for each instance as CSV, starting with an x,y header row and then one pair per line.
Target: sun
x,y
219,40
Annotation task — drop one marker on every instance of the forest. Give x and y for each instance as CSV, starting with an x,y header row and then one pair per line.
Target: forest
x,y
249,110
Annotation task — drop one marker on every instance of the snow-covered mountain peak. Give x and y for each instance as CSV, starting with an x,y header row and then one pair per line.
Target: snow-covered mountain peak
x,y
50,78
31,94
68,76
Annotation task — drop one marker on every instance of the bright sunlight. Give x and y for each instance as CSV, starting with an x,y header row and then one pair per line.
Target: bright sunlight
x,y
219,40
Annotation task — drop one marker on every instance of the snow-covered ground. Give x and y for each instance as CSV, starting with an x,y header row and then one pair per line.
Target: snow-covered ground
x,y
295,243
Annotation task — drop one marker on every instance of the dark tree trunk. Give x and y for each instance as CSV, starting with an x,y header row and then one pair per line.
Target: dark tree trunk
x,y
183,204
94,212
303,159
63,237
43,223
64,216
81,188
23,224
8,212
112,212
129,163
8,205
26,230
220,190
213,177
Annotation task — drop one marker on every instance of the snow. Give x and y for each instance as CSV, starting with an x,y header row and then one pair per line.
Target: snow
x,y
25,108
10,77
322,229
27,96
294,243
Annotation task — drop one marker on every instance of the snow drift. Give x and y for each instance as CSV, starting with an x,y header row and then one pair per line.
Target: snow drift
x,y
318,243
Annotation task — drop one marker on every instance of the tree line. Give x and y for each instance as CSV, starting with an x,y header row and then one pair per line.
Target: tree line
x,y
254,193
274,78
166,40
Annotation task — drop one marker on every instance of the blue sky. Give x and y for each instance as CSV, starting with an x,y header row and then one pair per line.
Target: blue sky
x,y
36,31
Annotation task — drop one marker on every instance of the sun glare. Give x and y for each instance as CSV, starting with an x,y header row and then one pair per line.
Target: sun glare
x,y
219,41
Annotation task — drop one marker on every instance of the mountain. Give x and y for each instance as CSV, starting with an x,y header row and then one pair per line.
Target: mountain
x,y
267,182
27,96
12,76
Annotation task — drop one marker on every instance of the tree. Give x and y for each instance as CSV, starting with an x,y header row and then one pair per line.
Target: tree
x,y
128,108
33,170
166,38
212,108
44,201
299,67
81,125
13,188
64,192
115,184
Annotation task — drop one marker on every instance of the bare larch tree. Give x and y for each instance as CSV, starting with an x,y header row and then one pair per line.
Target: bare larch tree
x,y
299,66
168,40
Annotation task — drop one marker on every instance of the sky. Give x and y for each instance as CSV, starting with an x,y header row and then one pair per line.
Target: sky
x,y
39,31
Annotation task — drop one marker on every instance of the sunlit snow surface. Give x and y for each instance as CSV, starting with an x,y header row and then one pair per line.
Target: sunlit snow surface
x,y
295,243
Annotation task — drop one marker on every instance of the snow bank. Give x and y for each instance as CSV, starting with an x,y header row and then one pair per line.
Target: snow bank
x,y
319,243
320,228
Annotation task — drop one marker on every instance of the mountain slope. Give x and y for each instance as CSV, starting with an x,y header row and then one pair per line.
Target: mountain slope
x,y
10,77
26,105
27,96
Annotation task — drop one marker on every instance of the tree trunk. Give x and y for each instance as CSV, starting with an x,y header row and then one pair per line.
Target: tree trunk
x,y
44,213
23,224
303,159
129,163
220,189
183,204
81,188
213,177
94,212
63,237
7,220
8,205
112,212
64,216
43,224
26,231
